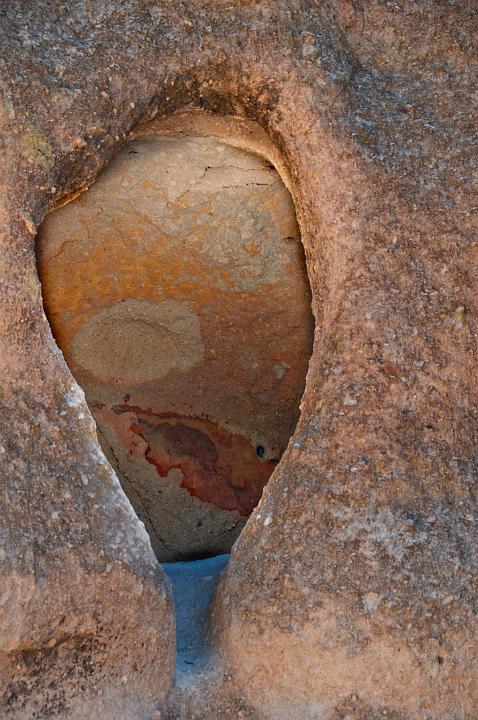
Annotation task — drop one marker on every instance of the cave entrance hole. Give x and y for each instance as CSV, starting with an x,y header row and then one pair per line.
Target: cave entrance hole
x,y
177,290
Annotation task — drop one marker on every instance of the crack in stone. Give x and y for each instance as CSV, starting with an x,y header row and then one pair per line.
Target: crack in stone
x,y
227,187
46,263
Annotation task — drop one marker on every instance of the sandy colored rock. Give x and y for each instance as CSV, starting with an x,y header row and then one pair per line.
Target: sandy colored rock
x,y
352,590
177,290
136,341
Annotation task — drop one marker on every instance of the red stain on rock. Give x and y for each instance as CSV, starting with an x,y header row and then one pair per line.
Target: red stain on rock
x,y
133,444
218,466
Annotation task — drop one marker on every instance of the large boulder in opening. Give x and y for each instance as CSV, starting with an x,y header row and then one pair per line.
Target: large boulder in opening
x,y
176,288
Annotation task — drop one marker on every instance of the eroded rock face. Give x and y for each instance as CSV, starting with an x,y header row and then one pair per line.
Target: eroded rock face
x,y
353,588
176,288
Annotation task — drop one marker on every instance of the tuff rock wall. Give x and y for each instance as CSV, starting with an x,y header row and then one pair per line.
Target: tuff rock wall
x,y
352,590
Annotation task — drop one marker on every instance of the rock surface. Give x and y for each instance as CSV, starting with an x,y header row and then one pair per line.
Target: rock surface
x,y
176,288
352,590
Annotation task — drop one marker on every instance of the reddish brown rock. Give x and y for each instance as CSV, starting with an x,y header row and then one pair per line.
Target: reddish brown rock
x,y
352,590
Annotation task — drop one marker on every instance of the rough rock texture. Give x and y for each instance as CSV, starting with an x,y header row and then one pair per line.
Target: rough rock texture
x,y
176,288
352,590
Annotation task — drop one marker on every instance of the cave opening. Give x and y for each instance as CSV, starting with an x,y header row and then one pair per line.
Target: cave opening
x,y
177,290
